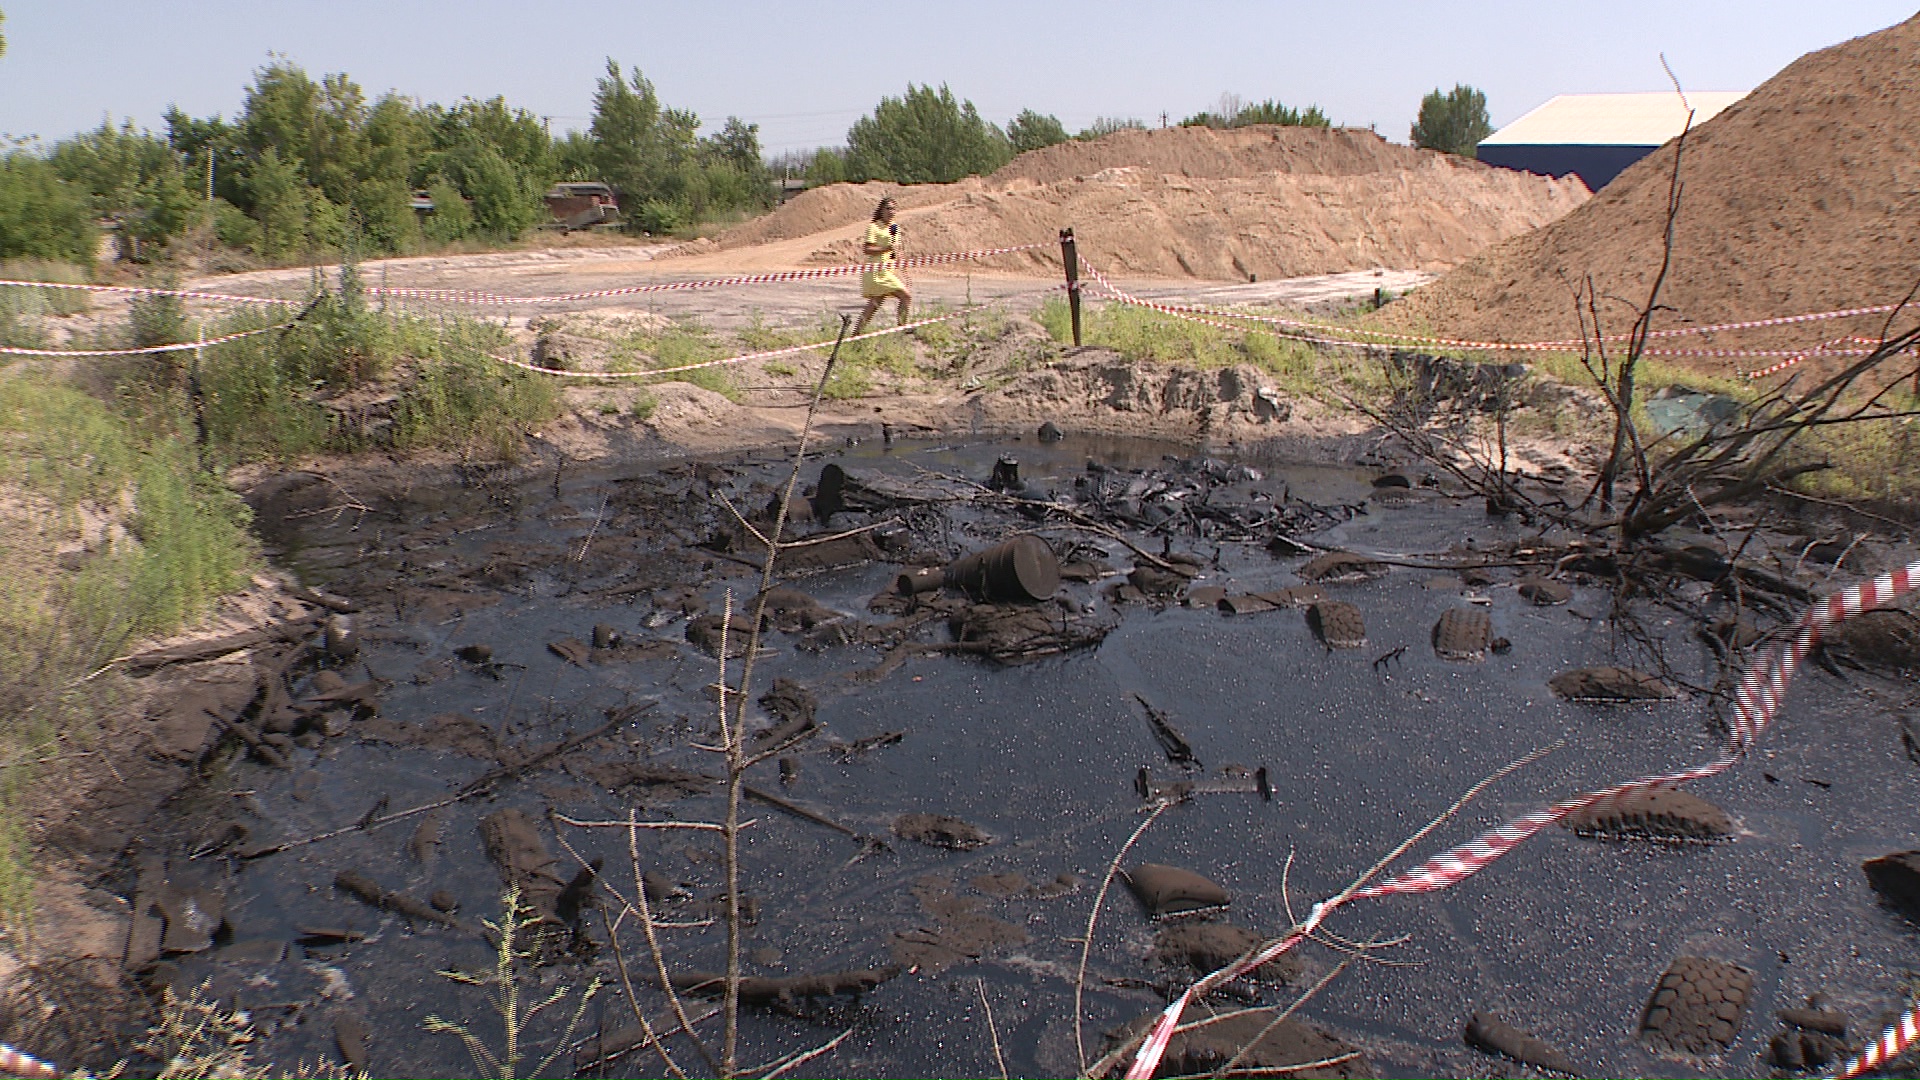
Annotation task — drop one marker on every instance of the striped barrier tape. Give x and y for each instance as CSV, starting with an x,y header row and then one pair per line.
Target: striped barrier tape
x,y
149,350
771,277
467,296
1757,701
143,290
1825,348
1346,337
15,1063
764,354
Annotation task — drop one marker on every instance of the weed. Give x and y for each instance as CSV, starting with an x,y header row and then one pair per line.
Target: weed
x,y
782,369
185,544
459,397
644,405
196,1036
678,345
504,990
758,336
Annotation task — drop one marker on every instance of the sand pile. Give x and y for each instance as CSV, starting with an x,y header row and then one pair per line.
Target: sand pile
x,y
1192,202
1804,196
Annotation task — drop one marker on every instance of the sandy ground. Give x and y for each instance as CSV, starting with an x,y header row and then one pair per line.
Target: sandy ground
x,y
551,272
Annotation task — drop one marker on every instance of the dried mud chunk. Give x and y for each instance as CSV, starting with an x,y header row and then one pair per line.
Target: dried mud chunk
x,y
939,830
1463,634
1543,591
1609,684
572,650
1338,625
1168,890
1340,568
793,611
515,845
1156,582
1202,1051
1697,1007
1208,947
1897,879
1655,814
1489,1033
705,633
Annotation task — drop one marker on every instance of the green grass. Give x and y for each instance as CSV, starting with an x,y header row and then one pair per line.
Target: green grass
x,y
1146,336
185,545
682,343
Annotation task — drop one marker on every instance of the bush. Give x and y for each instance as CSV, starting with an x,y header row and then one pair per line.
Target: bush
x,y
458,397
452,218
234,228
41,215
156,319
658,218
1453,122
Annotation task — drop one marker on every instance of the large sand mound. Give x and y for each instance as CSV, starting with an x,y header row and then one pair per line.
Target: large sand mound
x,y
1191,202
1804,196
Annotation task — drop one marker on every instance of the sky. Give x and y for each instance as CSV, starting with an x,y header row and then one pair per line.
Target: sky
x,y
805,71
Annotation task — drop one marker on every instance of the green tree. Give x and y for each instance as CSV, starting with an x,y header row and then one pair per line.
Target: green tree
x,y
41,215
3,37
281,202
1232,112
925,137
626,131
452,218
737,145
1032,131
134,178
826,166
504,203
1453,122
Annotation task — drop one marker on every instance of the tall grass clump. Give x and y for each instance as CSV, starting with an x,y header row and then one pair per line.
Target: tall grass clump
x,y
1146,336
177,541
457,397
684,342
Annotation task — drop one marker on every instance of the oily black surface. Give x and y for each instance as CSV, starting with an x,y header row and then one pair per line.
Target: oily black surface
x,y
1562,938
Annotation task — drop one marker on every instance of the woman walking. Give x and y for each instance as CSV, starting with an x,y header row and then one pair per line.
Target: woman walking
x,y
880,282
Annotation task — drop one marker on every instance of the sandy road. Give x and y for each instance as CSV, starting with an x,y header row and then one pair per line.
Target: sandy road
x,y
554,271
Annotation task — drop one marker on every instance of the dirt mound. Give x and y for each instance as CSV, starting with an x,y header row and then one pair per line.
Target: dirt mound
x,y
1192,202
1803,196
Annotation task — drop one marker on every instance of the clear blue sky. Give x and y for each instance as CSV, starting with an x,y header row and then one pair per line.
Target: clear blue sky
x,y
805,71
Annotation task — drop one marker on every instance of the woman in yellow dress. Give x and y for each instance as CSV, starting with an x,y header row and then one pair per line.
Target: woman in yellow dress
x,y
880,282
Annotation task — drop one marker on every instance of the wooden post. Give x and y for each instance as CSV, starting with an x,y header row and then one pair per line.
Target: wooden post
x,y
198,400
1071,260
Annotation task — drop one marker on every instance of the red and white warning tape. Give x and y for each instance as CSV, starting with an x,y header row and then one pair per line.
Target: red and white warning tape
x,y
1352,338
142,290
15,1063
150,350
461,296
1757,701
765,354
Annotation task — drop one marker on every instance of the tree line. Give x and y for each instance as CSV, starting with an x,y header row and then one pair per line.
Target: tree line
x,y
309,167
314,166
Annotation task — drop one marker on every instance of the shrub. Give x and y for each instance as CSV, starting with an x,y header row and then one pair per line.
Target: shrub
x,y
41,215
1454,122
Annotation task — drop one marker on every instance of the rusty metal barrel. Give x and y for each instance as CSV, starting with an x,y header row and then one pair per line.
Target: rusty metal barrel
x,y
1021,569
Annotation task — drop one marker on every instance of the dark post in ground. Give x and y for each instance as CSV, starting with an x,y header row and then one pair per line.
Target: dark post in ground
x,y
1071,259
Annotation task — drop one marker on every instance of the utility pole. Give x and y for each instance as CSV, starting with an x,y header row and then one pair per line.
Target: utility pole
x,y
1163,119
